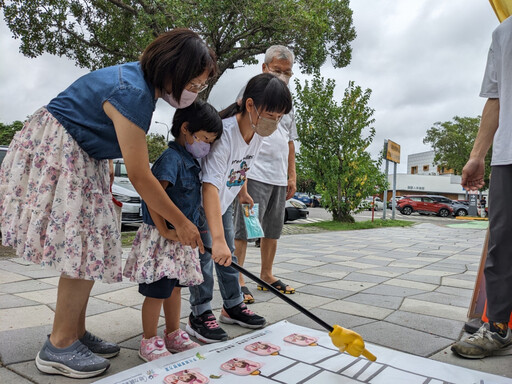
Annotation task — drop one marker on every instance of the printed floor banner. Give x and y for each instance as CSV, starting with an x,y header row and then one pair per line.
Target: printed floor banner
x,y
290,354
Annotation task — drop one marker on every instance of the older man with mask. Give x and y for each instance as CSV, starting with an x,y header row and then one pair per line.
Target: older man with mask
x,y
271,182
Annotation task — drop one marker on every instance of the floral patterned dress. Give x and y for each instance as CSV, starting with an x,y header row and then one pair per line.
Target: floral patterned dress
x,y
55,204
153,257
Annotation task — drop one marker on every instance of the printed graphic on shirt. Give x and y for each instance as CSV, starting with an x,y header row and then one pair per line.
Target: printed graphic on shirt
x,y
237,177
189,376
241,367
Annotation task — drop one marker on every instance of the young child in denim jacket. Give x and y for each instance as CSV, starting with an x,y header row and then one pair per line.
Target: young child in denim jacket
x,y
158,262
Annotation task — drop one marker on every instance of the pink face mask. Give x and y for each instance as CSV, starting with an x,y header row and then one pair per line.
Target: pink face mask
x,y
187,98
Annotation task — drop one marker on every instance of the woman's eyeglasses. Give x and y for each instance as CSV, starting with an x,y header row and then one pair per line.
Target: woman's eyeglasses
x,y
198,88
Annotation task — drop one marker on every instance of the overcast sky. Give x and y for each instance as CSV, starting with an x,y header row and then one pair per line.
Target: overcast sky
x,y
422,59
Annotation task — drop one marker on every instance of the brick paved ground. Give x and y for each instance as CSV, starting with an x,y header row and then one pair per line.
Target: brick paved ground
x,y
407,289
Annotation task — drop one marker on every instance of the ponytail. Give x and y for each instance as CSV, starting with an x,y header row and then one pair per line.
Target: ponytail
x,y
267,92
232,110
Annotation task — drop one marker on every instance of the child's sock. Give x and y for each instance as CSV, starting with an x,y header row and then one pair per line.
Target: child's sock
x,y
499,328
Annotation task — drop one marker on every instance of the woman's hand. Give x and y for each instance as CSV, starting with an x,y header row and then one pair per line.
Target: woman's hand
x,y
171,234
188,234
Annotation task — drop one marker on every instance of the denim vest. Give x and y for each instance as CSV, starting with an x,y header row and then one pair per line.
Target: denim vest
x,y
80,107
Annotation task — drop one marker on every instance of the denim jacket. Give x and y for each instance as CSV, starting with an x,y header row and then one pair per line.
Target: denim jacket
x,y
177,166
80,107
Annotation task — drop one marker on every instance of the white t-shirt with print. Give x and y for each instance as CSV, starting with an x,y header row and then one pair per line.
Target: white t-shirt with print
x,y
228,162
497,83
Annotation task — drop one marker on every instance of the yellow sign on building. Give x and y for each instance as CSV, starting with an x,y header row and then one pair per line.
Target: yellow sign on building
x,y
393,152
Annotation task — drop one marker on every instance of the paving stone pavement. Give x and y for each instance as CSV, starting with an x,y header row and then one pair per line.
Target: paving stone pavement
x,y
407,289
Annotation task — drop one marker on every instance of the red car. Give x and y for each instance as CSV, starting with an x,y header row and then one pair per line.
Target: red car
x,y
424,205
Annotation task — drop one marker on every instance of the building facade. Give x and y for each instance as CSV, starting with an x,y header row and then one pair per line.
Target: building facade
x,y
425,177
423,164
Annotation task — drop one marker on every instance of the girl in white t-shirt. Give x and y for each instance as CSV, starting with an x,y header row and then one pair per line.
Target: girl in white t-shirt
x,y
266,99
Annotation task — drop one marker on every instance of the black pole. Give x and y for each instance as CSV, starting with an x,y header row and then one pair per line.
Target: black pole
x,y
282,296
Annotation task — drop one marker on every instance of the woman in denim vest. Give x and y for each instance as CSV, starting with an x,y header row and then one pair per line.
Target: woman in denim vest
x,y
55,204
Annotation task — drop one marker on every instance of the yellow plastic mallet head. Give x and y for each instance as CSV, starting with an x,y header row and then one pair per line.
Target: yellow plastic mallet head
x,y
351,342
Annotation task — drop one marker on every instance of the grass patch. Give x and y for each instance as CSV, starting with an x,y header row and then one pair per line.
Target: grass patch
x,y
127,238
377,223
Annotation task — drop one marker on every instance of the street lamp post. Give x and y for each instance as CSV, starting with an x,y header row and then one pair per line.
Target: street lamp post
x,y
166,126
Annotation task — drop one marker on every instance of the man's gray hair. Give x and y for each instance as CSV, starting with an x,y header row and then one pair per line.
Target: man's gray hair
x,y
279,52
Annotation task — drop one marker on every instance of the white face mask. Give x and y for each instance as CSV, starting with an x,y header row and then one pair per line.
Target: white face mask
x,y
187,98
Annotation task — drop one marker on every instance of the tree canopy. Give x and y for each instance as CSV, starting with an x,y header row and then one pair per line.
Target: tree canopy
x,y
7,131
99,33
452,142
156,145
333,140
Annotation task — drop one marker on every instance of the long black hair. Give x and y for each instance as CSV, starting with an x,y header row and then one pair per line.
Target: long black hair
x,y
267,92
200,116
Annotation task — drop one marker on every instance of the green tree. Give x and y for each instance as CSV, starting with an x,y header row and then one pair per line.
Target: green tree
x,y
452,142
156,145
99,33
333,140
304,182
7,131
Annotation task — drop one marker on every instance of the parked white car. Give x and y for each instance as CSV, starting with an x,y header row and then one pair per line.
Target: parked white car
x,y
123,191
369,202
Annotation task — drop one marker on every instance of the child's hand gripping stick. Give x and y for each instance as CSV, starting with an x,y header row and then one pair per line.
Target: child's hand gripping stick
x,y
350,341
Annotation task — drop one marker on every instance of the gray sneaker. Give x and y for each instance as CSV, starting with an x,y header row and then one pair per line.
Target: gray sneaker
x,y
75,361
484,343
98,346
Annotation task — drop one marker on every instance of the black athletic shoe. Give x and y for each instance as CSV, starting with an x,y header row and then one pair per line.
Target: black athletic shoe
x,y
205,328
242,316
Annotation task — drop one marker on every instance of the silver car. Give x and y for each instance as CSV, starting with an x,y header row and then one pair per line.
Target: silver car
x,y
295,210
